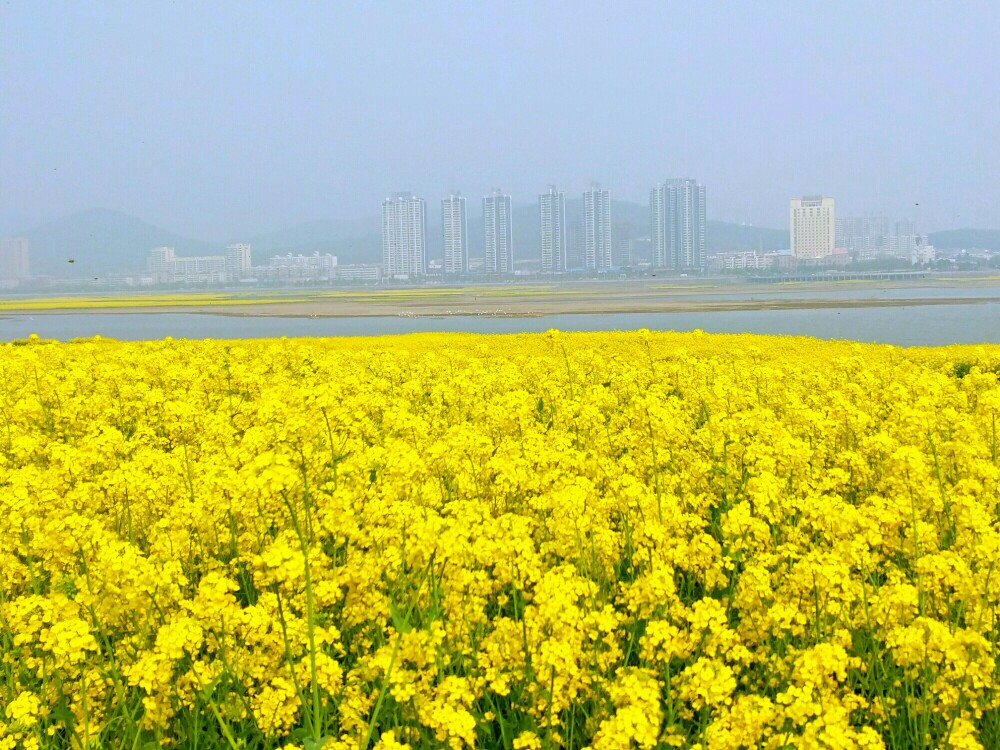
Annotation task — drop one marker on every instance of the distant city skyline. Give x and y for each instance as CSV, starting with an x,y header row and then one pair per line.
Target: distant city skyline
x,y
637,238
677,242
221,121
676,235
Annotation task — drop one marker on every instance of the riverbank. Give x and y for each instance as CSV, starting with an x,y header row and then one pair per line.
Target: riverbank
x,y
529,300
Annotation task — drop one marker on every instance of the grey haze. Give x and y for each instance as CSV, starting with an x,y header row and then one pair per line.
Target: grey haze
x,y
232,120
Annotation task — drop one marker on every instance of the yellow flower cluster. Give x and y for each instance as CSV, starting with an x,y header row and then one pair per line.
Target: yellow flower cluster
x,y
600,541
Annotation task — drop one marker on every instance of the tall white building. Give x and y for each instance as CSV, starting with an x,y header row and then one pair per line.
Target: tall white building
x,y
621,236
677,224
552,212
161,260
497,226
812,227
455,229
404,238
14,259
597,229
658,226
238,259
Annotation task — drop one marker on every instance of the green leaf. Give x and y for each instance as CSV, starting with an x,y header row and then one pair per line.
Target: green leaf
x,y
398,620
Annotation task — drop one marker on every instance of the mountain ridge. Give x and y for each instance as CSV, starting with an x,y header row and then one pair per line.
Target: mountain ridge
x,y
972,239
99,241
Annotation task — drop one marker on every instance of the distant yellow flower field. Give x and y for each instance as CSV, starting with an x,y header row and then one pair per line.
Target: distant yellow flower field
x,y
215,299
190,299
605,540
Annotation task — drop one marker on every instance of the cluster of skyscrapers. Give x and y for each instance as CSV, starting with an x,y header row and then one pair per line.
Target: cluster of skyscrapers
x,y
677,225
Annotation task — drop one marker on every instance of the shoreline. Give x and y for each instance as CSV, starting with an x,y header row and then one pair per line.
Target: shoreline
x,y
521,300
515,309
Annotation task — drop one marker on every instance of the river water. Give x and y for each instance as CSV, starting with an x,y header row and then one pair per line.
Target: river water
x,y
914,325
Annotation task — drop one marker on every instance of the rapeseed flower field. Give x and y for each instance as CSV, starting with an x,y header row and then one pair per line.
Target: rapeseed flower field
x,y
601,541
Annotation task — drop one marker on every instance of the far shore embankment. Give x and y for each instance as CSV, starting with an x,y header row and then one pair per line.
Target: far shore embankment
x,y
647,295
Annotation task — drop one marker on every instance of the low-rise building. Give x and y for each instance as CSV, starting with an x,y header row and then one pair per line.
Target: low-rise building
x,y
839,257
906,246
743,260
316,266
166,267
368,272
923,255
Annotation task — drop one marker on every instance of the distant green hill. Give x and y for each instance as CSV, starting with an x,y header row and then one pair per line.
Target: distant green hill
x,y
966,239
721,236
355,241
95,242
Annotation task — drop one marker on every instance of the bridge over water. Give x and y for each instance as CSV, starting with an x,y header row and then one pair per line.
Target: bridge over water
x,y
840,276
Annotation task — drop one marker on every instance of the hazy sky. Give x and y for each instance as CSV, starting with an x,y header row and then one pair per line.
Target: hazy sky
x,y
222,120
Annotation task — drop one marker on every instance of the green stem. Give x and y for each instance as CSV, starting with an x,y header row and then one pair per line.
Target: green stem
x,y
381,695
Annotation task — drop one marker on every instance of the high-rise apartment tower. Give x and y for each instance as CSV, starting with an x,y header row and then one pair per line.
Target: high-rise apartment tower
x,y
404,239
812,227
677,224
238,259
498,232
552,212
597,229
455,231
